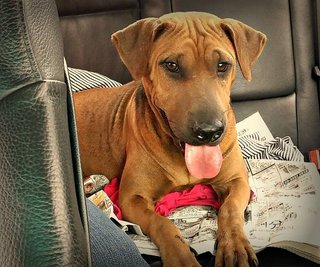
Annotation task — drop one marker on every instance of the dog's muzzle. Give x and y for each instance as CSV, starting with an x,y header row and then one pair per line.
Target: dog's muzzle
x,y
202,152
208,134
201,134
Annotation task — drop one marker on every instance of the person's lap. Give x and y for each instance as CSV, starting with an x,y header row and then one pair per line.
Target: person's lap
x,y
110,246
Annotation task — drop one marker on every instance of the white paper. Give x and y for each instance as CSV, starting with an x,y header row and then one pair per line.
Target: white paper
x,y
254,125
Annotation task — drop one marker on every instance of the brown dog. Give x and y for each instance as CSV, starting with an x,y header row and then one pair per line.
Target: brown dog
x,y
173,127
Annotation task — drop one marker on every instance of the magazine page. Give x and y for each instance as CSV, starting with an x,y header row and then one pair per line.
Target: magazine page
x,y
286,203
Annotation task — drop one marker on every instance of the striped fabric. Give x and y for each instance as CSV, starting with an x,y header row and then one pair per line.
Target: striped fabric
x,y
278,148
82,80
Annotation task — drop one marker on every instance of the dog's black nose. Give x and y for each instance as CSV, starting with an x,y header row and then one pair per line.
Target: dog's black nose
x,y
208,133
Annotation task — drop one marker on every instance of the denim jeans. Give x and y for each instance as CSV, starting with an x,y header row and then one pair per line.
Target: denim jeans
x,y
110,246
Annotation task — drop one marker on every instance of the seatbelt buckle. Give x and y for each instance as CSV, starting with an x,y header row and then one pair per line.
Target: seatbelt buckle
x,y
314,156
316,71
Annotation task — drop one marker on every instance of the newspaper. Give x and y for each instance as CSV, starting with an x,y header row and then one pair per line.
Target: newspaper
x,y
285,206
197,224
94,183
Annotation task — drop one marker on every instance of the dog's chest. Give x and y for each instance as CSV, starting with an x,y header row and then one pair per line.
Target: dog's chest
x,y
181,179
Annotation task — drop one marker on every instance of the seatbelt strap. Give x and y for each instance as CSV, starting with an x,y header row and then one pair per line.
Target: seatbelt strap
x,y
316,69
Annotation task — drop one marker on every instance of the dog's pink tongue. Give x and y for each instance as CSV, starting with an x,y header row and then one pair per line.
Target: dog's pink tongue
x,y
203,161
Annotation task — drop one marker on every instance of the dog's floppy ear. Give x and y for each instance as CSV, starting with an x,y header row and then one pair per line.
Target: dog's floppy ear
x,y
134,44
248,43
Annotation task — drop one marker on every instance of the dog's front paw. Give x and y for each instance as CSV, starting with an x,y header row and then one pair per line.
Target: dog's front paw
x,y
235,250
179,258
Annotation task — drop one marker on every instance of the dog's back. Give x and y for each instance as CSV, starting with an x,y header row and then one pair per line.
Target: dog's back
x,y
100,117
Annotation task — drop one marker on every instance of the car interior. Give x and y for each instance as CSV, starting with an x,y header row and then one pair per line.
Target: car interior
x,y
43,219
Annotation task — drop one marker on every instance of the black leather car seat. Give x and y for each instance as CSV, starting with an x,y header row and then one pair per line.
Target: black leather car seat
x,y
42,210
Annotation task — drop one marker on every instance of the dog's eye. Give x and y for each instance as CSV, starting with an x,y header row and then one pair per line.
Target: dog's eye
x,y
172,66
223,67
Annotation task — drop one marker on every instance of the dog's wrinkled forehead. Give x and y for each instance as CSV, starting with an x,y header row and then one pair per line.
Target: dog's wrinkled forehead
x,y
191,25
197,22
135,42
190,29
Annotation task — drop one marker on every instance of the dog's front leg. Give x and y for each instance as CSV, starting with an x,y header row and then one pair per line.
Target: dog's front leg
x,y
234,248
137,206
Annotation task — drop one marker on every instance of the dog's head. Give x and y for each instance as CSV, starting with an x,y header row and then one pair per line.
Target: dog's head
x,y
187,63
